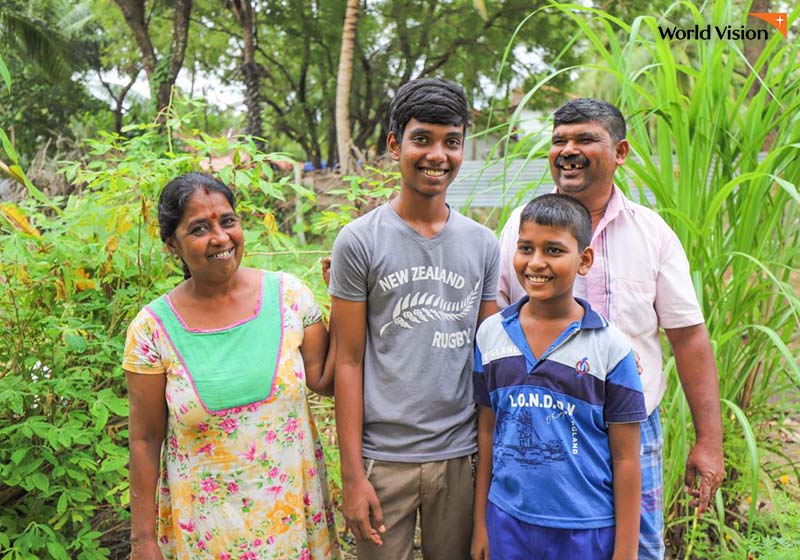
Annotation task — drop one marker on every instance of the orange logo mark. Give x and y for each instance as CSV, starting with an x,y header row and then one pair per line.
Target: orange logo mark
x,y
778,20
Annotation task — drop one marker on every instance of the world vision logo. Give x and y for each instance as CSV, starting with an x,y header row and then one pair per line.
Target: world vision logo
x,y
779,21
727,32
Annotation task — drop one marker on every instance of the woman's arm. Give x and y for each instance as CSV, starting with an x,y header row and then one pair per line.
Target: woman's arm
x,y
483,479
319,371
146,431
627,477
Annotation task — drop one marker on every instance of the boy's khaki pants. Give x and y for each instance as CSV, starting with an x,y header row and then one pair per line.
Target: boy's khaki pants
x,y
442,492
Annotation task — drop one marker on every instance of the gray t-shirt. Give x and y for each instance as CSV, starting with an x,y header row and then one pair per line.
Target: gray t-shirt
x,y
422,300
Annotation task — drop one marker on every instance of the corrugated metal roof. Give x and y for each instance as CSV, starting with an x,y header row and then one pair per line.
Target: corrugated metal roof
x,y
481,184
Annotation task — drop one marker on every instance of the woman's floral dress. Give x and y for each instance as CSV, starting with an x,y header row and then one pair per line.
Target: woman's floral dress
x,y
246,482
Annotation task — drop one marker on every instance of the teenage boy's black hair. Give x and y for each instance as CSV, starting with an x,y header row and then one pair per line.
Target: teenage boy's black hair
x,y
561,211
429,100
592,110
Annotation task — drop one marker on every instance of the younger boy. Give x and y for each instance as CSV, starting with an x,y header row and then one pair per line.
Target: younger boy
x,y
409,283
560,405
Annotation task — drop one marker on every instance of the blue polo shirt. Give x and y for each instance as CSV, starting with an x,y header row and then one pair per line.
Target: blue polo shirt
x,y
551,455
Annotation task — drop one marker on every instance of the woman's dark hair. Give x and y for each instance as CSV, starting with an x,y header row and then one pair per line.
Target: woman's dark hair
x,y
561,211
429,100
176,194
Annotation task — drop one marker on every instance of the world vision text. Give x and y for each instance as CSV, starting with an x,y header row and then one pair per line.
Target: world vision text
x,y
706,33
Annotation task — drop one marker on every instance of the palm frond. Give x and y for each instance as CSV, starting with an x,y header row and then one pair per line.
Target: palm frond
x,y
35,41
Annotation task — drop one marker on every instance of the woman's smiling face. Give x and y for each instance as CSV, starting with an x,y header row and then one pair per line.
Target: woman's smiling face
x,y
209,237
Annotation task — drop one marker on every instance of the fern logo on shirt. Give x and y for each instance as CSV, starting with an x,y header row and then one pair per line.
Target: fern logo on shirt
x,y
419,307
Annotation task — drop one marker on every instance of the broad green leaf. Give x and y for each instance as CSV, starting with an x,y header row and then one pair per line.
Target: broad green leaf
x,y
39,481
75,341
113,464
63,503
64,438
117,405
57,551
19,454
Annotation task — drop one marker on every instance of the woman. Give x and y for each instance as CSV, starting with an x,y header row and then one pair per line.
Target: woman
x,y
215,372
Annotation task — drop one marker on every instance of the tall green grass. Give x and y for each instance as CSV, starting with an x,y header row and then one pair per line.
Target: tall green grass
x,y
699,115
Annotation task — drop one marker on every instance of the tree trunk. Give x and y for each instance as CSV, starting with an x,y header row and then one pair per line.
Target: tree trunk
x,y
177,51
753,48
343,80
243,10
161,74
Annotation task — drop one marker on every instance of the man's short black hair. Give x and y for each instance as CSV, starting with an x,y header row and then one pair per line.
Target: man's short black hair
x,y
561,211
429,100
592,110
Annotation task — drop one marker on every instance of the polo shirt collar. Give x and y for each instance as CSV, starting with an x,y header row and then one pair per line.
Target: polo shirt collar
x,y
591,319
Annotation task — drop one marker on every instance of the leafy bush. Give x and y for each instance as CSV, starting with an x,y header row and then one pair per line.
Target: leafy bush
x,y
74,272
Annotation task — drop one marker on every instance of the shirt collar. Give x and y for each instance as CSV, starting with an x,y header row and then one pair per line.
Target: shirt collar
x,y
591,319
616,204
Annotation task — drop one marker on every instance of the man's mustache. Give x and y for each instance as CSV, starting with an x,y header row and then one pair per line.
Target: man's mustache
x,y
572,160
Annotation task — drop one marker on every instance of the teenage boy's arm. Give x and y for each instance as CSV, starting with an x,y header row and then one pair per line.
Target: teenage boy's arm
x,y
358,495
627,480
697,371
483,478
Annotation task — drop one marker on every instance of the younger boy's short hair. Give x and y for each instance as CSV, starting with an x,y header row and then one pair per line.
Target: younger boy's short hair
x,y
562,211
429,100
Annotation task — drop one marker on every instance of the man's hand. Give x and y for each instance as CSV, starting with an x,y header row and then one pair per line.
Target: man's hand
x,y
697,370
358,501
705,470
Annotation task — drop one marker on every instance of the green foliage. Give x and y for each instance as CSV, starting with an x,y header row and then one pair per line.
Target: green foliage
x,y
72,277
31,112
698,117
40,32
362,195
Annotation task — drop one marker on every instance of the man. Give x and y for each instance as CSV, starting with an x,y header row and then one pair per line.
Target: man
x,y
410,281
640,281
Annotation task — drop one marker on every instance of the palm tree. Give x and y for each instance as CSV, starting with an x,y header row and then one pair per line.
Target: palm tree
x,y
37,41
344,77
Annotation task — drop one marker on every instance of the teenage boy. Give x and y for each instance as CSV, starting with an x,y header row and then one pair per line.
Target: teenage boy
x,y
410,281
641,283
560,405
